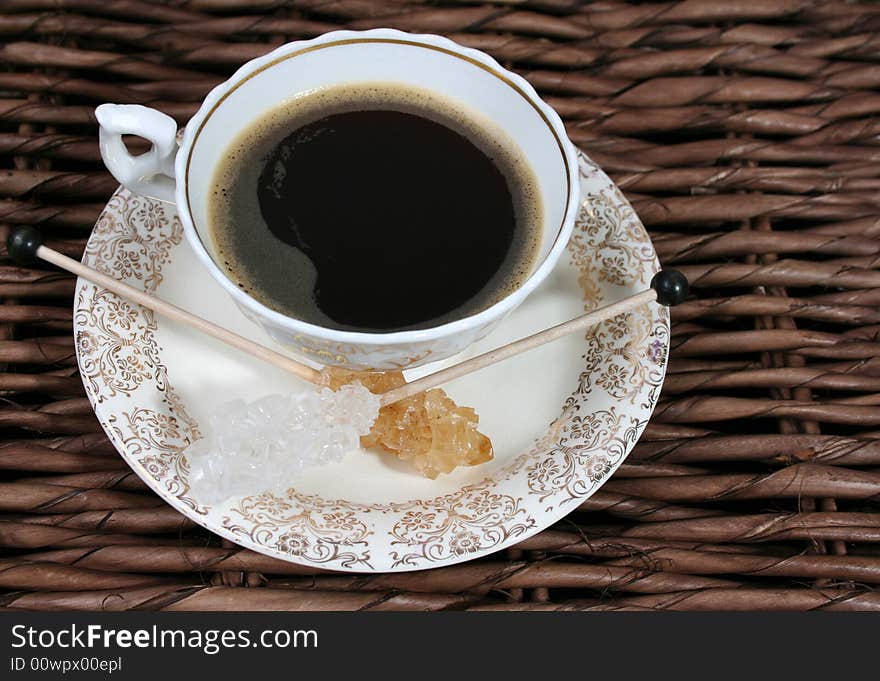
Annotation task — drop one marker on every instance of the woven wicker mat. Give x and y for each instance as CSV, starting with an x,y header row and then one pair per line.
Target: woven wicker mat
x,y
745,134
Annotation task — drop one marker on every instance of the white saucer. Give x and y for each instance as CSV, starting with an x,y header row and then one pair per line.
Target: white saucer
x,y
561,417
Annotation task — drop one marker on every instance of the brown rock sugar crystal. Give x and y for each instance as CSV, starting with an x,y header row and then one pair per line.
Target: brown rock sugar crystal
x,y
429,429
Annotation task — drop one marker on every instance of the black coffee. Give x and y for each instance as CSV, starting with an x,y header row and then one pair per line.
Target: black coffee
x,y
375,208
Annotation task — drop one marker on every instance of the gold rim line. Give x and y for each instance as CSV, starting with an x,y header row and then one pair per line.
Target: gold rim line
x,y
352,41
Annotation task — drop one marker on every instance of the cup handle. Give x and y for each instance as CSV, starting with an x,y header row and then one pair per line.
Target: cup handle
x,y
151,173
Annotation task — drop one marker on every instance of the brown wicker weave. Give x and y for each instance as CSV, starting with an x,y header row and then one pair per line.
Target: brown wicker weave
x,y
745,134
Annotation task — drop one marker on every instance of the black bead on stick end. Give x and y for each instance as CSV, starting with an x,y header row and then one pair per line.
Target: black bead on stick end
x,y
671,287
22,244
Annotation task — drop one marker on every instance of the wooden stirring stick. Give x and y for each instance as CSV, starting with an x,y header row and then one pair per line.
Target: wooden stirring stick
x,y
668,287
25,243
518,346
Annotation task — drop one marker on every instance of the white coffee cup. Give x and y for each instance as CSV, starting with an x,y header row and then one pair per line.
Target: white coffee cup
x,y
181,171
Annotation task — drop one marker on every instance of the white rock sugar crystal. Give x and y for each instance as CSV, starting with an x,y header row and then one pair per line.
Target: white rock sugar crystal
x,y
264,445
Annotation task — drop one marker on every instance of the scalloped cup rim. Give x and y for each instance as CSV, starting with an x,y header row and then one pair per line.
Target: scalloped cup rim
x,y
492,313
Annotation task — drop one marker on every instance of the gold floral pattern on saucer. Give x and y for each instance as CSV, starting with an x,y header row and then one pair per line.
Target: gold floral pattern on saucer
x,y
125,357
